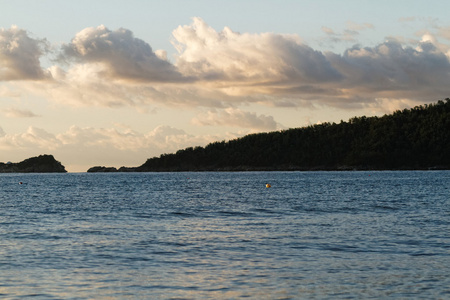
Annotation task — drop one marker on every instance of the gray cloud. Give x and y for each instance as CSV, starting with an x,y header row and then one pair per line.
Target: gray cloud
x,y
392,69
19,55
389,70
122,55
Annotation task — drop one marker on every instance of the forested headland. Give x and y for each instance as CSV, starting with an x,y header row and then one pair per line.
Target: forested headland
x,y
39,164
416,138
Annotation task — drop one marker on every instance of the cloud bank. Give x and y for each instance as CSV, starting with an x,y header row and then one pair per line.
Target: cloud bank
x,y
225,69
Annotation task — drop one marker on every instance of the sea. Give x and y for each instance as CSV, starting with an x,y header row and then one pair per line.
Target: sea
x,y
225,235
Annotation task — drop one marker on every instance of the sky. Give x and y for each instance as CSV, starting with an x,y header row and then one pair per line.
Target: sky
x,y
113,83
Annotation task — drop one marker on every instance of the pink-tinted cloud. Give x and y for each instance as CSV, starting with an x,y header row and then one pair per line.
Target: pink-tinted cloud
x,y
236,118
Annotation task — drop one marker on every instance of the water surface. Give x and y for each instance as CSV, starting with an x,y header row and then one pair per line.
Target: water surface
x,y
225,235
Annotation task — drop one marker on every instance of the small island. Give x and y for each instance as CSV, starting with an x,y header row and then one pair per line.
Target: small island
x,y
39,164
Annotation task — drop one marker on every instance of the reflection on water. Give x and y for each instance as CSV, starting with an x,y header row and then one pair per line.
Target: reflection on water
x,y
225,235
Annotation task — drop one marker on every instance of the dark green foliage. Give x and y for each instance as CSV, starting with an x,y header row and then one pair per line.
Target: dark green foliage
x,y
417,138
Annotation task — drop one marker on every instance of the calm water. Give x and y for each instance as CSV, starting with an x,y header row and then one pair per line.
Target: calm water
x,y
225,235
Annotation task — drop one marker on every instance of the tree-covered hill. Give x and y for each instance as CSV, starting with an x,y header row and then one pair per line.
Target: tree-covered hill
x,y
39,164
417,138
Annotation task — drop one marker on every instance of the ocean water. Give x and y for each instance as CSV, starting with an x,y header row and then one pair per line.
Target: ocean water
x,y
312,235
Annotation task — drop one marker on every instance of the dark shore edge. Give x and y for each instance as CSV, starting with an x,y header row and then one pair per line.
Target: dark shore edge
x,y
103,169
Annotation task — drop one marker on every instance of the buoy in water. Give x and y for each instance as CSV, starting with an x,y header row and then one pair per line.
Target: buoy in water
x,y
20,182
268,185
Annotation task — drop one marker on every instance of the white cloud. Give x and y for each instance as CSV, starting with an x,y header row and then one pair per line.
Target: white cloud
x,y
230,58
236,118
31,139
19,55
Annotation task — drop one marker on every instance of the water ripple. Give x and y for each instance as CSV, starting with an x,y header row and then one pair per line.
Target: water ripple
x,y
314,235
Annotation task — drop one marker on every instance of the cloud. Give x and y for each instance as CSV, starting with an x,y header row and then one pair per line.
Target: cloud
x,y
444,32
280,68
328,30
84,85
358,26
33,138
349,34
19,113
391,70
162,138
222,69
408,19
236,118
105,146
230,58
119,55
19,55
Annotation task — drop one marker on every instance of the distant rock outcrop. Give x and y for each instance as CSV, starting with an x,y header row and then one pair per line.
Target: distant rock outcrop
x,y
99,169
102,169
39,164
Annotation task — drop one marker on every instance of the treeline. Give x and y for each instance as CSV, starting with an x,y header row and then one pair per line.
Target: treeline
x,y
417,138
